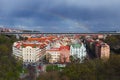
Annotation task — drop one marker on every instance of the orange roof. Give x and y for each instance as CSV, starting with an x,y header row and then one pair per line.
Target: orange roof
x,y
54,49
40,39
64,47
36,39
32,45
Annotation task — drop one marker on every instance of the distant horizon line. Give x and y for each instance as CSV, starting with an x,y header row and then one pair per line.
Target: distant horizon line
x,y
32,30
90,33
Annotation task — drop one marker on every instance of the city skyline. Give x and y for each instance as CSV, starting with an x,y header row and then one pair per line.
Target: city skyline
x,y
61,15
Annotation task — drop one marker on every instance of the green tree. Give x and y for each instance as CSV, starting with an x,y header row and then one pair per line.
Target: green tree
x,y
9,66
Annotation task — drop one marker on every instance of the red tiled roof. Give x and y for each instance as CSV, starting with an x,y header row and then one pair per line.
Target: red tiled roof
x,y
40,39
54,49
64,47
18,45
32,45
98,44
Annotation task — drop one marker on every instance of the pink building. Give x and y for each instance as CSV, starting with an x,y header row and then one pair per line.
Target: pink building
x,y
102,50
105,51
64,54
61,54
98,50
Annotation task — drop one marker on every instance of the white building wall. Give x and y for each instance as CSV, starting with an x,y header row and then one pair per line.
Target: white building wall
x,y
17,52
79,52
30,54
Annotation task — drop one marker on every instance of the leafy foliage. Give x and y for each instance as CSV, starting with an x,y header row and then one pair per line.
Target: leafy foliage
x,y
51,68
89,70
114,42
9,67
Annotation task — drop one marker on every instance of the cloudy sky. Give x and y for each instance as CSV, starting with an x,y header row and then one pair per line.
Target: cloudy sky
x,y
61,15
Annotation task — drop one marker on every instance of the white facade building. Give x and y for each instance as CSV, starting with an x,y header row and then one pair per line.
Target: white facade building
x,y
78,51
17,50
28,52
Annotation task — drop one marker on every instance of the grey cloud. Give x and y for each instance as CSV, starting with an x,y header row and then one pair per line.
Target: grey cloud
x,y
61,14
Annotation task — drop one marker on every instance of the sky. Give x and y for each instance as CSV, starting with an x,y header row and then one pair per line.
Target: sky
x,y
61,15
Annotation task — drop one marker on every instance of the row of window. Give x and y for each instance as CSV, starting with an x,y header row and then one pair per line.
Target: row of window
x,y
29,60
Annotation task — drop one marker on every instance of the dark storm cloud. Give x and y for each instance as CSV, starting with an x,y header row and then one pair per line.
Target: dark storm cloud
x,y
61,15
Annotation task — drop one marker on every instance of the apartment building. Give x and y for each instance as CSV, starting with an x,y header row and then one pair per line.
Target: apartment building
x,y
58,55
102,50
17,50
29,52
53,55
32,53
64,54
78,51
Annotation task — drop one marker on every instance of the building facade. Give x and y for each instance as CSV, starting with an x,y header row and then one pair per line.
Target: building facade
x,y
102,50
58,55
28,52
78,51
64,54
17,50
53,55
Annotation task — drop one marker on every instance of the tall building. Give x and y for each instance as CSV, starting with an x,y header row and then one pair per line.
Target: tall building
x,y
105,51
53,55
102,50
78,51
17,50
32,53
29,52
58,55
64,54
